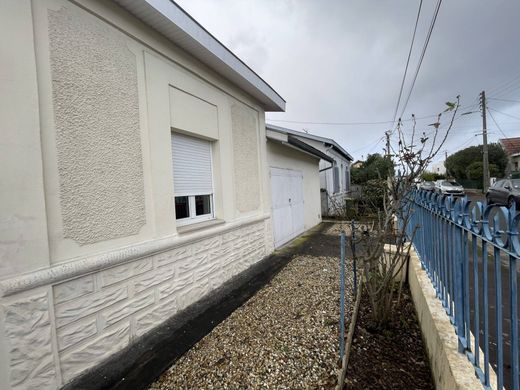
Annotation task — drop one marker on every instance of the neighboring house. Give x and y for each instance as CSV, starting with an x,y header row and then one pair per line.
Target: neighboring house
x,y
512,149
357,164
334,176
294,169
134,178
438,168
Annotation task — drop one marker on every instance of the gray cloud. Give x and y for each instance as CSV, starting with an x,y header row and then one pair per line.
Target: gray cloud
x,y
338,61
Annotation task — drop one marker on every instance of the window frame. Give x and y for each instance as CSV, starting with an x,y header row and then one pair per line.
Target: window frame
x,y
193,217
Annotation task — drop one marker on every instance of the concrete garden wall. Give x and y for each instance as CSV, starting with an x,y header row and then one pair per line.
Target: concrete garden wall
x,y
450,369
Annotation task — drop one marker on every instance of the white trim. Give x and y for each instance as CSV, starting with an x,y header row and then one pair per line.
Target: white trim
x,y
83,265
193,218
182,30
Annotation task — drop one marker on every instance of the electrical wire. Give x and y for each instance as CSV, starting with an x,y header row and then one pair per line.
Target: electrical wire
x,y
371,146
425,46
496,124
346,123
503,85
503,113
407,62
505,100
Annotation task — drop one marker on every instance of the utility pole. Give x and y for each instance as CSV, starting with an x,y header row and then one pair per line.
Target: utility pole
x,y
446,159
485,156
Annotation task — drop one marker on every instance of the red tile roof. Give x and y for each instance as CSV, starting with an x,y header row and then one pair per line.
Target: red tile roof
x,y
511,145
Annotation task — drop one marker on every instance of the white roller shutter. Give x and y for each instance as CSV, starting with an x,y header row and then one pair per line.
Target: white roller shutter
x,y
192,174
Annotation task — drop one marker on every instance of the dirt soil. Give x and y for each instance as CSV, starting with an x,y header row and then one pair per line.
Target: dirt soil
x,y
394,358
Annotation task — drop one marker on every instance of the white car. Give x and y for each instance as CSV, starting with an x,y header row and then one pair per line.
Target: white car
x,y
449,187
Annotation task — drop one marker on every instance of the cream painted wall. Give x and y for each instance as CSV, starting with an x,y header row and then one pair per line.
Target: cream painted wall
x,y
161,69
86,293
23,224
280,156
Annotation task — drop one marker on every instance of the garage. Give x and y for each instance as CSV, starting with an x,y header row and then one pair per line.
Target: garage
x,y
295,184
287,204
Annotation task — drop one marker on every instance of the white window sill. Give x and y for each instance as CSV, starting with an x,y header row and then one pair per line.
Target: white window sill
x,y
199,226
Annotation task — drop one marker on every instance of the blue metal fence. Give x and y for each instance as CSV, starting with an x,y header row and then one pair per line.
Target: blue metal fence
x,y
462,244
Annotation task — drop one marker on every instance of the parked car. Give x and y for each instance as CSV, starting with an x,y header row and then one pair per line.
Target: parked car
x,y
427,186
504,192
449,187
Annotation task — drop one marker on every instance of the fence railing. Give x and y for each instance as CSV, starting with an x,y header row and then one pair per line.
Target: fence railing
x,y
470,251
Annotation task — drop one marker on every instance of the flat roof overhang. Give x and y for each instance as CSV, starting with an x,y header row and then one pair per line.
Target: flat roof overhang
x,y
185,32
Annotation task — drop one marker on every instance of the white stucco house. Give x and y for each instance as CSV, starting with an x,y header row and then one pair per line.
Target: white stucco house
x,y
294,171
438,168
136,177
334,171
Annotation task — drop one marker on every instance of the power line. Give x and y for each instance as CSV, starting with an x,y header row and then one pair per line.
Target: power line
x,y
407,62
346,123
425,46
332,123
504,85
371,146
505,100
503,113
468,141
496,124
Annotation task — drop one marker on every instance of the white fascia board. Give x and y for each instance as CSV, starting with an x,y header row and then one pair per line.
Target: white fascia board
x,y
181,29
276,136
311,136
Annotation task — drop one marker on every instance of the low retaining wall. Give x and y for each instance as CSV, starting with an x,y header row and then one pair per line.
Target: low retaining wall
x,y
450,369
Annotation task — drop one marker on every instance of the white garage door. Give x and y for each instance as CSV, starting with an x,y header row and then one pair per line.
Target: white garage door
x,y
287,198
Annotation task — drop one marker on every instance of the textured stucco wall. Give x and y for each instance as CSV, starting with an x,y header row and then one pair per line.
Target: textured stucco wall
x,y
96,112
245,154
98,314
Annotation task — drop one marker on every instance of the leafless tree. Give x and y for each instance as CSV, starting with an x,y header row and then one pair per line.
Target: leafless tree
x,y
383,265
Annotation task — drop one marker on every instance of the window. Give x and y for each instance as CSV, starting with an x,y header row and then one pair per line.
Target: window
x,y
347,179
192,179
335,179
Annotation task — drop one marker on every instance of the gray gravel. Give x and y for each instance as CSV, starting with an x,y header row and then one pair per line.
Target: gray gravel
x,y
284,337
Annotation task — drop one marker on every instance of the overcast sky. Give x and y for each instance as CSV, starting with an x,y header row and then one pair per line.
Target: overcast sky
x,y
343,61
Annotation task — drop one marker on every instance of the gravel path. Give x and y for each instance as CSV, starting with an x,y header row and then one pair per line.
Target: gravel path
x,y
285,337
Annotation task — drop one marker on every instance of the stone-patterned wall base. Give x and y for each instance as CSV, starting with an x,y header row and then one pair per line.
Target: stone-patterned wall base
x,y
96,315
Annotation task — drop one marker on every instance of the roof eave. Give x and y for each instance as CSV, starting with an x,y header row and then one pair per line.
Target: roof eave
x,y
180,28
313,137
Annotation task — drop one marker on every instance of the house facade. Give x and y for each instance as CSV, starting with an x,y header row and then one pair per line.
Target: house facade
x,y
438,168
334,171
294,171
512,149
134,178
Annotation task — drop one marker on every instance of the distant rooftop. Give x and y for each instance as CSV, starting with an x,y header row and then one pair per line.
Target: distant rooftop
x,y
511,145
325,140
180,28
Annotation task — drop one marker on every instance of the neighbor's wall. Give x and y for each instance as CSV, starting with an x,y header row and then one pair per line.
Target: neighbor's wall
x,y
280,156
90,256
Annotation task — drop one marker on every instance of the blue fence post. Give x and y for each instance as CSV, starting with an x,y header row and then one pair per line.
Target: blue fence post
x,y
498,306
513,298
354,262
450,230
485,292
342,298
